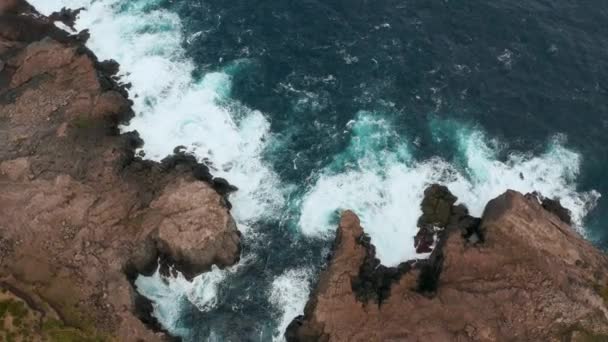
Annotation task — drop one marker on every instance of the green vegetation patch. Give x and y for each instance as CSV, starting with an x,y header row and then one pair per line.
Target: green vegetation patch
x,y
16,309
84,122
59,332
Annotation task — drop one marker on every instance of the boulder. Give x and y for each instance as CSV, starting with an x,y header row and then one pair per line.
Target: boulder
x,y
437,206
196,230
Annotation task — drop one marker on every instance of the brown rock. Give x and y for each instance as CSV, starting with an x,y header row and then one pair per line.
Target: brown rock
x,y
188,241
554,206
15,169
80,216
7,6
335,283
533,278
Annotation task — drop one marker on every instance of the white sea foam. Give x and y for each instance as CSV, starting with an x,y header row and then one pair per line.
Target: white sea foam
x,y
376,176
385,189
289,294
48,6
169,293
552,173
172,108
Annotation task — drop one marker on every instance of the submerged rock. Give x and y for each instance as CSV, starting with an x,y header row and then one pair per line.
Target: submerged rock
x,y
518,274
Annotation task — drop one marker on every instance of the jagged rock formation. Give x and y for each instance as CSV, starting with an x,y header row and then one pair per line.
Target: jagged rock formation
x,y
525,276
79,214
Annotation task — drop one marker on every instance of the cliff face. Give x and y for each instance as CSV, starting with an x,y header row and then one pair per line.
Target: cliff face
x,y
521,274
79,215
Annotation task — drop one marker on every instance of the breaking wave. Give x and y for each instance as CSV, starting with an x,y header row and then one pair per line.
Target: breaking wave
x,y
383,184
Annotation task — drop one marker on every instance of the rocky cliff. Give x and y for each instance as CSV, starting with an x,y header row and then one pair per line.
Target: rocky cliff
x,y
521,273
80,216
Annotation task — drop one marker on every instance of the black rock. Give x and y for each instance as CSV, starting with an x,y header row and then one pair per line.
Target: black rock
x,y
110,67
374,281
423,241
222,186
437,206
554,206
83,36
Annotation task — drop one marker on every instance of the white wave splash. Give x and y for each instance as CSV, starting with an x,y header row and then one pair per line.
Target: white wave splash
x,y
376,176
168,294
553,173
173,108
289,293
384,187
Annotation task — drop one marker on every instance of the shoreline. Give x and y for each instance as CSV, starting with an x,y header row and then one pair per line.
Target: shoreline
x,y
156,194
65,160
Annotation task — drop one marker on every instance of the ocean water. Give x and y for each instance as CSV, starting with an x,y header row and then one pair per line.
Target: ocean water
x,y
311,107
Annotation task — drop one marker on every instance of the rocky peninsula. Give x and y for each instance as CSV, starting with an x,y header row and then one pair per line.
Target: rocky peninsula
x,y
519,273
80,215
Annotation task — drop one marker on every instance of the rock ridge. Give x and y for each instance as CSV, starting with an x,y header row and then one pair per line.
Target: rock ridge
x,y
519,273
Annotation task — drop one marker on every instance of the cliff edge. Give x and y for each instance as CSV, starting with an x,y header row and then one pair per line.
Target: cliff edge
x,y
80,216
519,274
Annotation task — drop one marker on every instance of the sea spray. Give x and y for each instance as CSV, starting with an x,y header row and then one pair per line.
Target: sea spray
x,y
170,294
174,108
384,188
289,292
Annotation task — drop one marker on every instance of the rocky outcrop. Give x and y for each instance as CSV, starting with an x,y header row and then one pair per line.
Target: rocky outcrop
x,y
80,216
192,233
519,274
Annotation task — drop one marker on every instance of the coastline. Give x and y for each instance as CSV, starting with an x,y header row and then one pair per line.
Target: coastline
x,y
149,198
519,273
82,215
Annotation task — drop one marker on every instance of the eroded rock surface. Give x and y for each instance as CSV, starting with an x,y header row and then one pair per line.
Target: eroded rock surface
x,y
531,278
78,213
